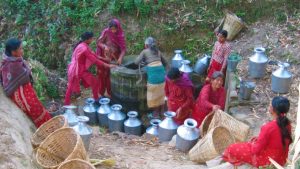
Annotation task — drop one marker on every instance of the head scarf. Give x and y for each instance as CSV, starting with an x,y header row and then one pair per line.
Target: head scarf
x,y
183,81
117,37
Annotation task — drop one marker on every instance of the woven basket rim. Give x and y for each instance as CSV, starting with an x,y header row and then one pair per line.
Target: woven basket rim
x,y
77,159
52,135
45,125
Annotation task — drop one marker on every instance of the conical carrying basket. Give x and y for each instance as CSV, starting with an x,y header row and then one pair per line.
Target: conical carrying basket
x,y
212,145
47,128
237,128
64,144
233,25
205,124
76,164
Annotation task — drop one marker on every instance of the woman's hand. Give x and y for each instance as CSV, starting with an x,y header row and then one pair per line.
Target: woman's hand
x,y
178,113
119,61
112,66
216,107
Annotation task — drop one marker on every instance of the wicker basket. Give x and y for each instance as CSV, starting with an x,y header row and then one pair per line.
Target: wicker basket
x,y
46,129
63,144
238,129
233,25
205,124
76,164
212,145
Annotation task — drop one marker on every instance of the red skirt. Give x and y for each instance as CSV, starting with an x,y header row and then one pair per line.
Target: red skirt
x,y
104,80
26,99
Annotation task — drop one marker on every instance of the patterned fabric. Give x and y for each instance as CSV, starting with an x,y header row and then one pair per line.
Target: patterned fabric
x,y
180,96
257,152
13,73
155,95
26,99
205,101
220,54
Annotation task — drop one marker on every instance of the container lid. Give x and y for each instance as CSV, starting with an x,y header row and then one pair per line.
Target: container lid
x,y
89,107
259,56
81,127
185,66
132,114
282,72
104,101
178,55
155,122
168,123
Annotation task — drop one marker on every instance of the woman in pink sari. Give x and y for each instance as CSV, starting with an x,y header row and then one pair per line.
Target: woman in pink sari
x,y
110,47
83,57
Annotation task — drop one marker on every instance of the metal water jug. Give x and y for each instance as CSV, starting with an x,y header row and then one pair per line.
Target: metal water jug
x,y
257,63
167,128
178,57
116,119
153,129
202,64
70,115
133,125
246,89
103,111
185,67
90,111
84,131
187,135
281,79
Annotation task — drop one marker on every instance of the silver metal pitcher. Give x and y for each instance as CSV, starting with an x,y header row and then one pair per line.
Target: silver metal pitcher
x,y
246,89
90,111
116,119
167,128
281,79
84,131
153,129
103,111
202,64
133,125
187,135
178,57
185,67
258,63
70,115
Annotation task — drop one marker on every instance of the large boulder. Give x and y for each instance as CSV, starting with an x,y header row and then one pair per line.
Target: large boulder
x,y
15,132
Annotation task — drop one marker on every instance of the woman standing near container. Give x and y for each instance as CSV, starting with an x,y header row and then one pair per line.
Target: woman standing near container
x,y
111,46
15,77
82,58
155,62
273,140
211,97
221,51
179,91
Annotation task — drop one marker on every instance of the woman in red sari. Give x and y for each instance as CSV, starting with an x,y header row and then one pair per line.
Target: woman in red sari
x,y
179,91
82,58
220,54
110,47
211,98
15,77
273,140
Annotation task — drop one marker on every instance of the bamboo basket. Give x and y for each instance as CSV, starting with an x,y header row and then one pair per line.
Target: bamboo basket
x,y
46,129
76,164
233,25
63,144
237,128
205,124
212,145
